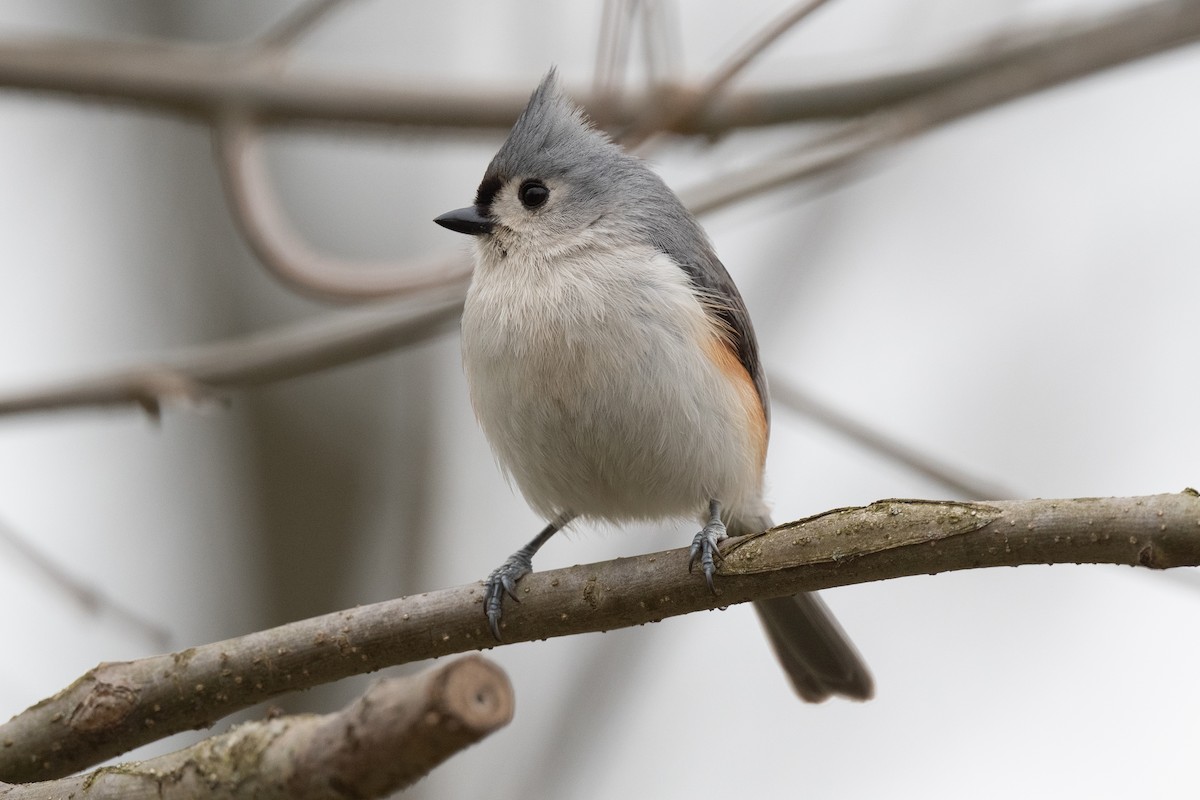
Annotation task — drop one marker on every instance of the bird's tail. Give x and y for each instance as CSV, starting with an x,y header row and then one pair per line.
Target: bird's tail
x,y
815,652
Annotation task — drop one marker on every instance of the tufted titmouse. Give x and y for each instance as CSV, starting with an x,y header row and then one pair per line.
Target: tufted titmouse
x,y
613,367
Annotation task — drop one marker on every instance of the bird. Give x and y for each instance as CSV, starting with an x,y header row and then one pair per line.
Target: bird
x,y
612,365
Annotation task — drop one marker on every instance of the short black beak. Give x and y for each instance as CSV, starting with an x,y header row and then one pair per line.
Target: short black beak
x,y
465,220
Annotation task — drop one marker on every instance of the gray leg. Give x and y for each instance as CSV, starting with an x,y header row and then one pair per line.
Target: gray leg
x,y
704,545
503,579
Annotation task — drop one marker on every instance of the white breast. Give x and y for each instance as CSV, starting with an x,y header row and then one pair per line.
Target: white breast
x,y
590,379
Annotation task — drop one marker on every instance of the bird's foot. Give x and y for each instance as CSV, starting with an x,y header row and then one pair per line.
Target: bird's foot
x,y
704,549
503,581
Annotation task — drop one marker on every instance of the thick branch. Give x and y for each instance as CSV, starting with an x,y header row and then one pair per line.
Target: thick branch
x,y
118,706
205,81
392,735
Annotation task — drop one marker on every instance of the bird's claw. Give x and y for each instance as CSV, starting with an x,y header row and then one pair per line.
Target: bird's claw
x,y
503,581
704,549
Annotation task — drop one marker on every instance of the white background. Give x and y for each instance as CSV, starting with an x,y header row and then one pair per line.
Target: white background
x,y
1016,293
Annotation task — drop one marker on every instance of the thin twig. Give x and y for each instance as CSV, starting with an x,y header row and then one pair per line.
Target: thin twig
x,y
612,49
265,357
650,43
955,479
1077,52
117,706
604,45
692,104
752,49
89,598
820,157
297,25
663,50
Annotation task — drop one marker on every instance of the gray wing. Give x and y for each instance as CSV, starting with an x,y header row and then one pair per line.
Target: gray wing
x,y
685,241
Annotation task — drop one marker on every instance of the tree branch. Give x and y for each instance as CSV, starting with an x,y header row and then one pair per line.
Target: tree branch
x,y
118,706
89,598
199,81
299,349
267,230
956,480
260,217
297,25
1048,62
671,117
387,739
1076,52
203,82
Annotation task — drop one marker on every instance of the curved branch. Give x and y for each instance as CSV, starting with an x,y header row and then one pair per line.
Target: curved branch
x,y
203,82
272,238
394,734
196,373
117,706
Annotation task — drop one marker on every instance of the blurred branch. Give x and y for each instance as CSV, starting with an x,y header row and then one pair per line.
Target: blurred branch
x,y
204,82
117,706
663,50
89,598
1026,68
237,91
612,49
753,48
965,486
1038,64
673,115
391,736
260,216
297,25
277,245
196,373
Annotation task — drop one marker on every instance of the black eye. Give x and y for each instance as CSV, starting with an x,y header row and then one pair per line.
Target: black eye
x,y
533,193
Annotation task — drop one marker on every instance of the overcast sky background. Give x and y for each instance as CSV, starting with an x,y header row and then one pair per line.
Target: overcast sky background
x,y
1016,293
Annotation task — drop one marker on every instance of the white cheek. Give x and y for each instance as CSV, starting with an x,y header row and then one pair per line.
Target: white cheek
x,y
542,234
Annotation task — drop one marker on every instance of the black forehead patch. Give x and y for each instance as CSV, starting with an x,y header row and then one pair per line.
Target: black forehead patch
x,y
487,191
